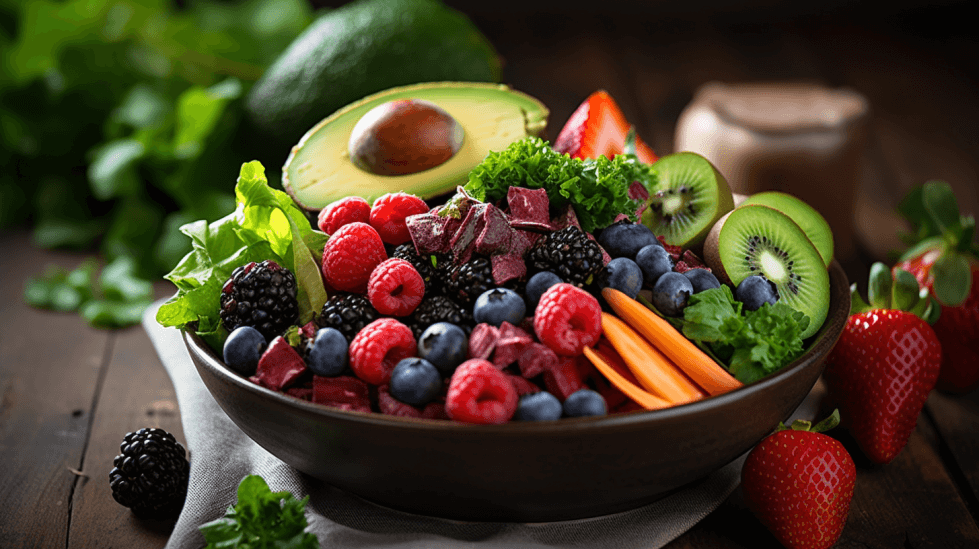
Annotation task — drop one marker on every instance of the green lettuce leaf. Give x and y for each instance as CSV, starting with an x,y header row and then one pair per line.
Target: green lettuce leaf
x,y
266,224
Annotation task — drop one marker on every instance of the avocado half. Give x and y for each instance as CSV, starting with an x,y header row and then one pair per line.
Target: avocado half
x,y
319,170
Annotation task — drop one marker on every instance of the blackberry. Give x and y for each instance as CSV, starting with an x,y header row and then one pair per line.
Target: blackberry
x,y
468,280
432,267
439,308
150,476
569,253
260,295
348,313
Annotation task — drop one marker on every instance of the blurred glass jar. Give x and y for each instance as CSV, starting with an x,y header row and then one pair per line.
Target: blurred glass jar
x,y
803,139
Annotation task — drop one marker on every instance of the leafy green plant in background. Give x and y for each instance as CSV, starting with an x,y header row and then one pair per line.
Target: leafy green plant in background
x,y
120,121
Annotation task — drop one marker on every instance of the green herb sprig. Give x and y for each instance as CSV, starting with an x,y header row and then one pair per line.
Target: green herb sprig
x,y
597,189
261,519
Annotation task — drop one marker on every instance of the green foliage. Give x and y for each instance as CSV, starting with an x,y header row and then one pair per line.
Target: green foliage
x,y
265,224
597,189
752,344
261,519
120,119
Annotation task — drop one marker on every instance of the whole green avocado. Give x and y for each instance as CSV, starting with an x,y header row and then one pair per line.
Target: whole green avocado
x,y
359,49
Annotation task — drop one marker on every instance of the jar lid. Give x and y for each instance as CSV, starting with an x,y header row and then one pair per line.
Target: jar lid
x,y
784,107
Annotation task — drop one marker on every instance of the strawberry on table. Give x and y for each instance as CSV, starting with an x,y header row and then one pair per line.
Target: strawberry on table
x,y
885,363
799,483
598,127
945,260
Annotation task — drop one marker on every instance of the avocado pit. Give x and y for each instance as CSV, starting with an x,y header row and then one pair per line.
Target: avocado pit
x,y
403,137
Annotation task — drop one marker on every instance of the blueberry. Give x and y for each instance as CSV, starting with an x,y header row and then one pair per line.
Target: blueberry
x,y
243,349
754,291
538,284
670,293
624,275
415,381
585,402
542,406
497,305
654,262
327,353
702,279
445,345
625,239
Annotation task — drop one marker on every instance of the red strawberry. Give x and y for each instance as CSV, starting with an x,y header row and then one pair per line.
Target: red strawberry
x,y
946,262
598,127
799,483
882,368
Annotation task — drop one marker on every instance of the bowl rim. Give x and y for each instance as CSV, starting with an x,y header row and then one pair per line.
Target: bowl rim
x,y
821,344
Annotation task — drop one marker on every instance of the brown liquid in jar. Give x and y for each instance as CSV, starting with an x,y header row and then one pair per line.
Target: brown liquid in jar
x,y
803,139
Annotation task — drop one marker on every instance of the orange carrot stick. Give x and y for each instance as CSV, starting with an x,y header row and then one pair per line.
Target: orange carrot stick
x,y
684,353
654,371
648,401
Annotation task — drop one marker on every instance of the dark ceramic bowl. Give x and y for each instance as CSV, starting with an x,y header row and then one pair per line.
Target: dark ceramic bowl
x,y
523,472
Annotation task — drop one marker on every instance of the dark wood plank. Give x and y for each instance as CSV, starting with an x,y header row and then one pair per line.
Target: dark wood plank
x,y
956,419
50,375
136,393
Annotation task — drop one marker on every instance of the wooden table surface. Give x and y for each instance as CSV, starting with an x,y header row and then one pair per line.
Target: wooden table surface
x,y
68,392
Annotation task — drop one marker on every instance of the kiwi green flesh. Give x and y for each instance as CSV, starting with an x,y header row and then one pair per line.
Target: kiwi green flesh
x,y
757,239
689,197
804,215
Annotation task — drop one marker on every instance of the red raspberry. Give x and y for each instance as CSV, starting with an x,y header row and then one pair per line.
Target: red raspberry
x,y
351,209
567,319
479,393
395,287
389,213
350,255
378,348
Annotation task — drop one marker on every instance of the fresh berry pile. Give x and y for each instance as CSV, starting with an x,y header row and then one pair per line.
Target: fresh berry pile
x,y
472,311
481,316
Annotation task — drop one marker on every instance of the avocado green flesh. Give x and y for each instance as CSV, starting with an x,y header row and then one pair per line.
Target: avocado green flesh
x,y
319,169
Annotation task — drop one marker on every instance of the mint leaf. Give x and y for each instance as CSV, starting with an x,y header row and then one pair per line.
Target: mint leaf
x,y
261,519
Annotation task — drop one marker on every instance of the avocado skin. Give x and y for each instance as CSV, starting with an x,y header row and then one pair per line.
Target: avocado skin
x,y
359,49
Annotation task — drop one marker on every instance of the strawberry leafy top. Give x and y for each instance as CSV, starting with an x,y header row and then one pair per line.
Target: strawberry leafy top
x,y
939,228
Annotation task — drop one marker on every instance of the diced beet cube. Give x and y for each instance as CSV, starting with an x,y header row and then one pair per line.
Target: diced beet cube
x,y
638,191
566,218
343,392
309,329
394,407
523,386
463,243
507,267
674,251
510,344
279,367
494,236
692,261
528,204
535,359
482,341
304,392
562,378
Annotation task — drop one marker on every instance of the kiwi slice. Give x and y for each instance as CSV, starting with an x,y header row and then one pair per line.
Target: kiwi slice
x,y
756,239
804,215
690,196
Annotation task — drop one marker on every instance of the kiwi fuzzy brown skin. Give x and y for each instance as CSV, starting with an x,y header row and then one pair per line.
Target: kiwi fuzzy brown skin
x,y
807,289
699,194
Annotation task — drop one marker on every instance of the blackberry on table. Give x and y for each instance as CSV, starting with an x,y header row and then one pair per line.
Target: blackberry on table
x,y
348,313
150,475
260,295
568,253
439,309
